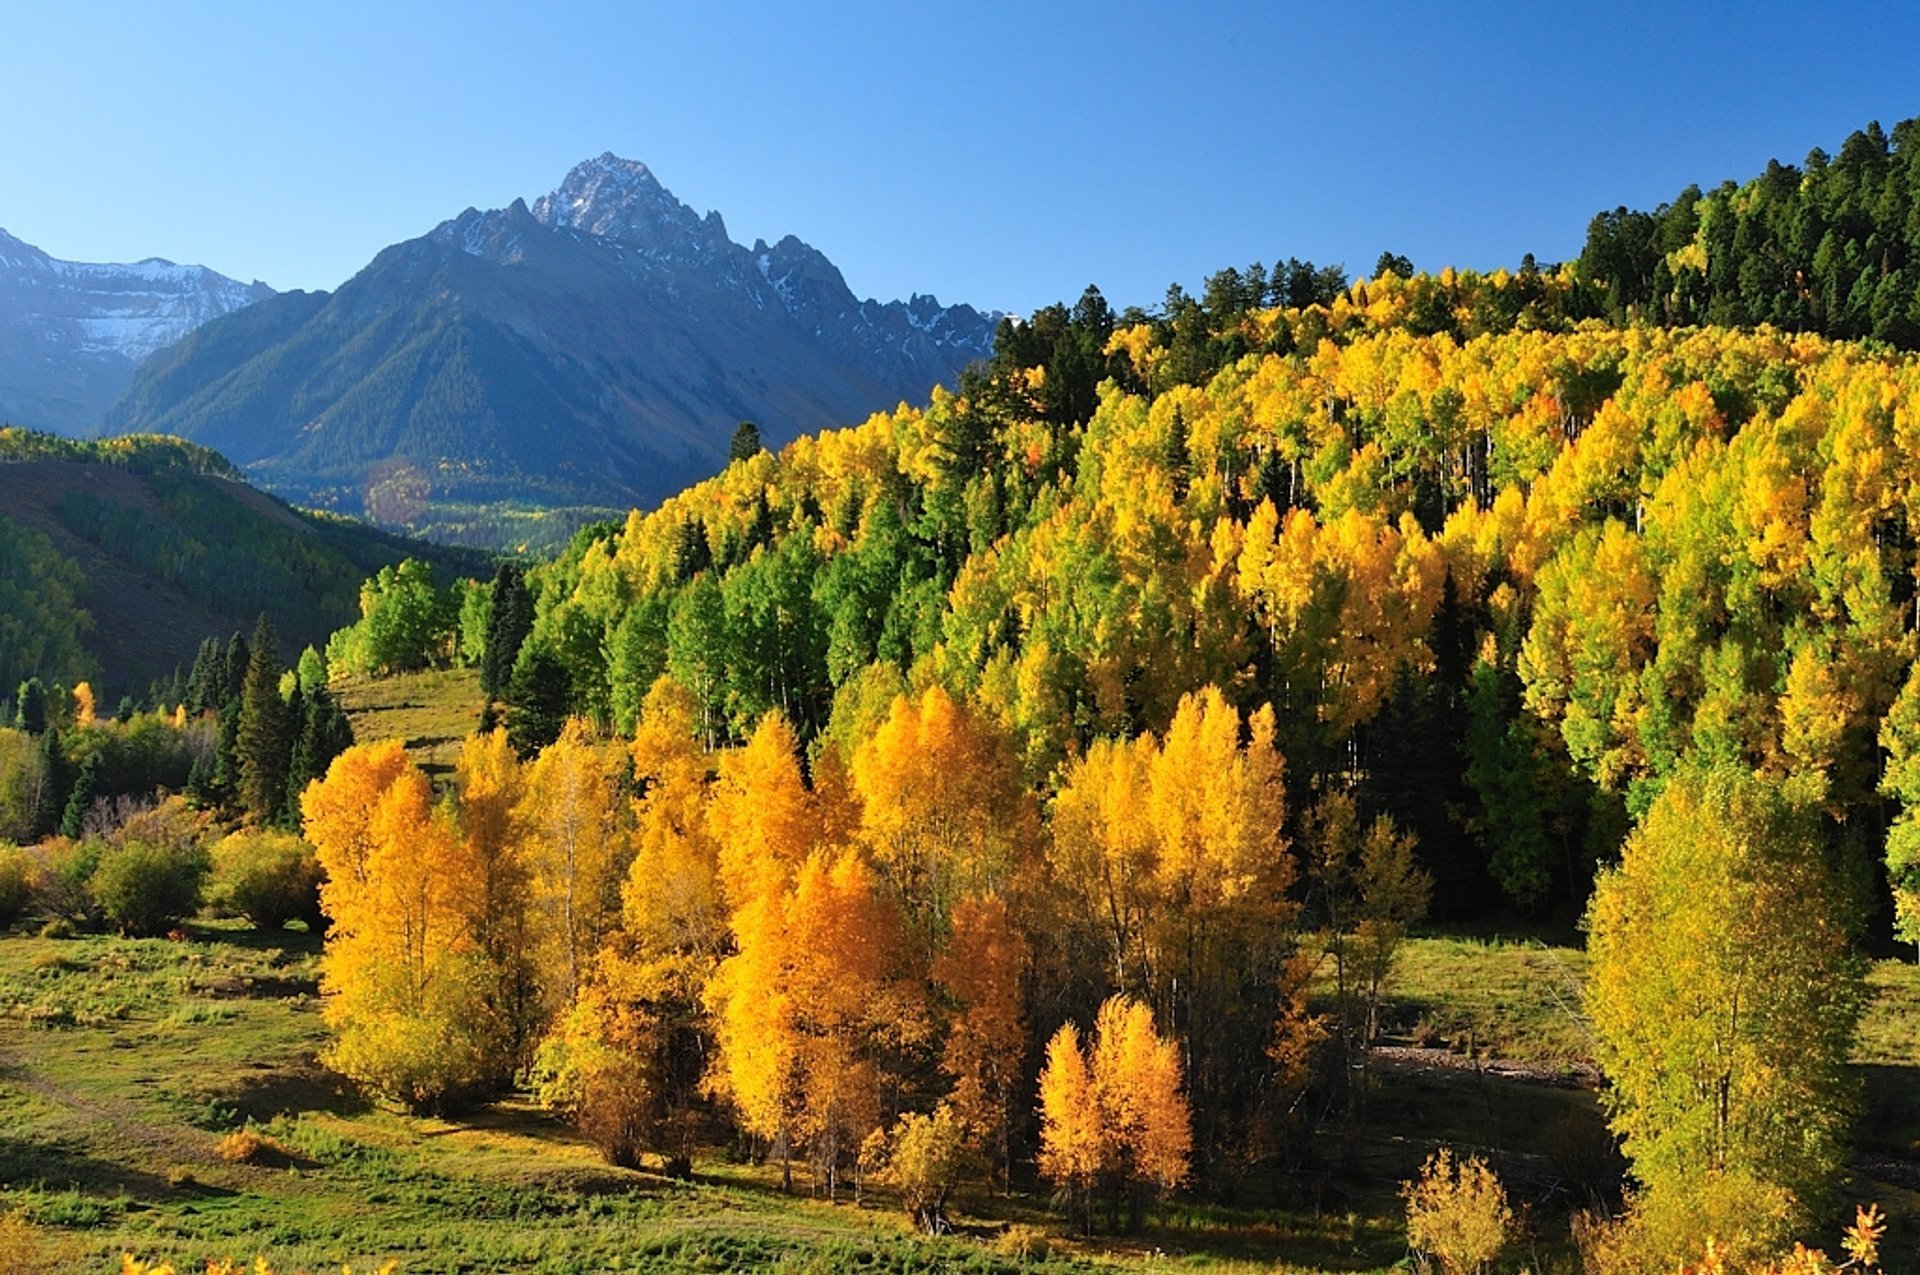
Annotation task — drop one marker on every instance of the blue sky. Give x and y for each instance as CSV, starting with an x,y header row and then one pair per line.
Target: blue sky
x,y
997,153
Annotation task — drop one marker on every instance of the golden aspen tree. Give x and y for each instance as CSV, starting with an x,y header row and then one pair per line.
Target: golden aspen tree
x,y
1113,1109
402,982
491,784
1900,738
338,812
807,1009
1074,1138
1137,1082
761,813
577,853
981,969
602,1065
83,705
942,806
625,1058
1724,993
1104,855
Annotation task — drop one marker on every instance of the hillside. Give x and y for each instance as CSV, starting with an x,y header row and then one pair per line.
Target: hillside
x,y
72,332
597,349
155,545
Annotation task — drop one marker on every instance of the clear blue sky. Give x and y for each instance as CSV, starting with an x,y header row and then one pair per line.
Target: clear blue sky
x,y
1003,154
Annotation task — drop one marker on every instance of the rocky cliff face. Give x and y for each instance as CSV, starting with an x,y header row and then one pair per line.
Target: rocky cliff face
x,y
72,333
598,347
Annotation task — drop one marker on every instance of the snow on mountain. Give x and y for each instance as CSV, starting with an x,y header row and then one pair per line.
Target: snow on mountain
x,y
72,332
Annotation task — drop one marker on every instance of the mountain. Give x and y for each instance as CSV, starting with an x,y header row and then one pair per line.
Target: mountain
x,y
72,332
597,349
117,557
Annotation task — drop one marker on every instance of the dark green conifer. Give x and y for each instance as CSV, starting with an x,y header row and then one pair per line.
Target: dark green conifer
x,y
85,786
261,735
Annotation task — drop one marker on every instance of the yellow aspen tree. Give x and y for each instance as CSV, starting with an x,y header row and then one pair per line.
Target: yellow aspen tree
x,y
981,970
1137,1081
1074,1139
83,705
1724,993
942,806
492,787
1113,1109
1104,855
761,813
805,1010
338,812
401,980
577,852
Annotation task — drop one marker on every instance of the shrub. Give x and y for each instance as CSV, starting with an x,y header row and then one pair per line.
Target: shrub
x,y
923,1159
270,878
16,884
1457,1212
62,879
147,890
247,1146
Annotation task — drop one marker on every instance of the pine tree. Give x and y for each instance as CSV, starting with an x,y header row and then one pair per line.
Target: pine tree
x,y
260,734
508,623
73,821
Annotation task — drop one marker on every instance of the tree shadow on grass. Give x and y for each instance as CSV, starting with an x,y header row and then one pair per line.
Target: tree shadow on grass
x,y
49,1168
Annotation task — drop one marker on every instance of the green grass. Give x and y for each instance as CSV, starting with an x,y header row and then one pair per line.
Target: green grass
x,y
123,1062
430,712
1510,999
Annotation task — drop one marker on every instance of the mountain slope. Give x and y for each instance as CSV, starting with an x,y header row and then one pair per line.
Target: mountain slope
x,y
596,348
151,545
72,333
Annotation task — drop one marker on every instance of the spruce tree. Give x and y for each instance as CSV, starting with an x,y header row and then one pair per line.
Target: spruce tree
x,y
205,681
85,785
233,674
507,628
260,739
50,796
537,700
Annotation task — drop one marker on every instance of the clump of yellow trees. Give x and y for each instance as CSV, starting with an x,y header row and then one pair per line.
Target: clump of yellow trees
x,y
834,944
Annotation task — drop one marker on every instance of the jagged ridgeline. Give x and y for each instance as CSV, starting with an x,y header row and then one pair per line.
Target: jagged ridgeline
x,y
1503,579
118,557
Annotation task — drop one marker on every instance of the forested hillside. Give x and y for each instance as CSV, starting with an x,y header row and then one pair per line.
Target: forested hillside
x,y
1501,583
1831,247
122,556
1041,747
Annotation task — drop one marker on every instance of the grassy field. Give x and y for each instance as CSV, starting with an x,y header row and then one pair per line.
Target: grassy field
x,y
429,712
123,1063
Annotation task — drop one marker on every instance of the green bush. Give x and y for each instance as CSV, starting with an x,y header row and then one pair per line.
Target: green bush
x,y
63,879
270,878
147,889
16,884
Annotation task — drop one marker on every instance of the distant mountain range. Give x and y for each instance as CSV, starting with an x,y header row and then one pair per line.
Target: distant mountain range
x,y
597,349
72,333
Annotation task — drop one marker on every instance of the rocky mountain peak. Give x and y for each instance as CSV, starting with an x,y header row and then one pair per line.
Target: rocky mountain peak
x,y
620,199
